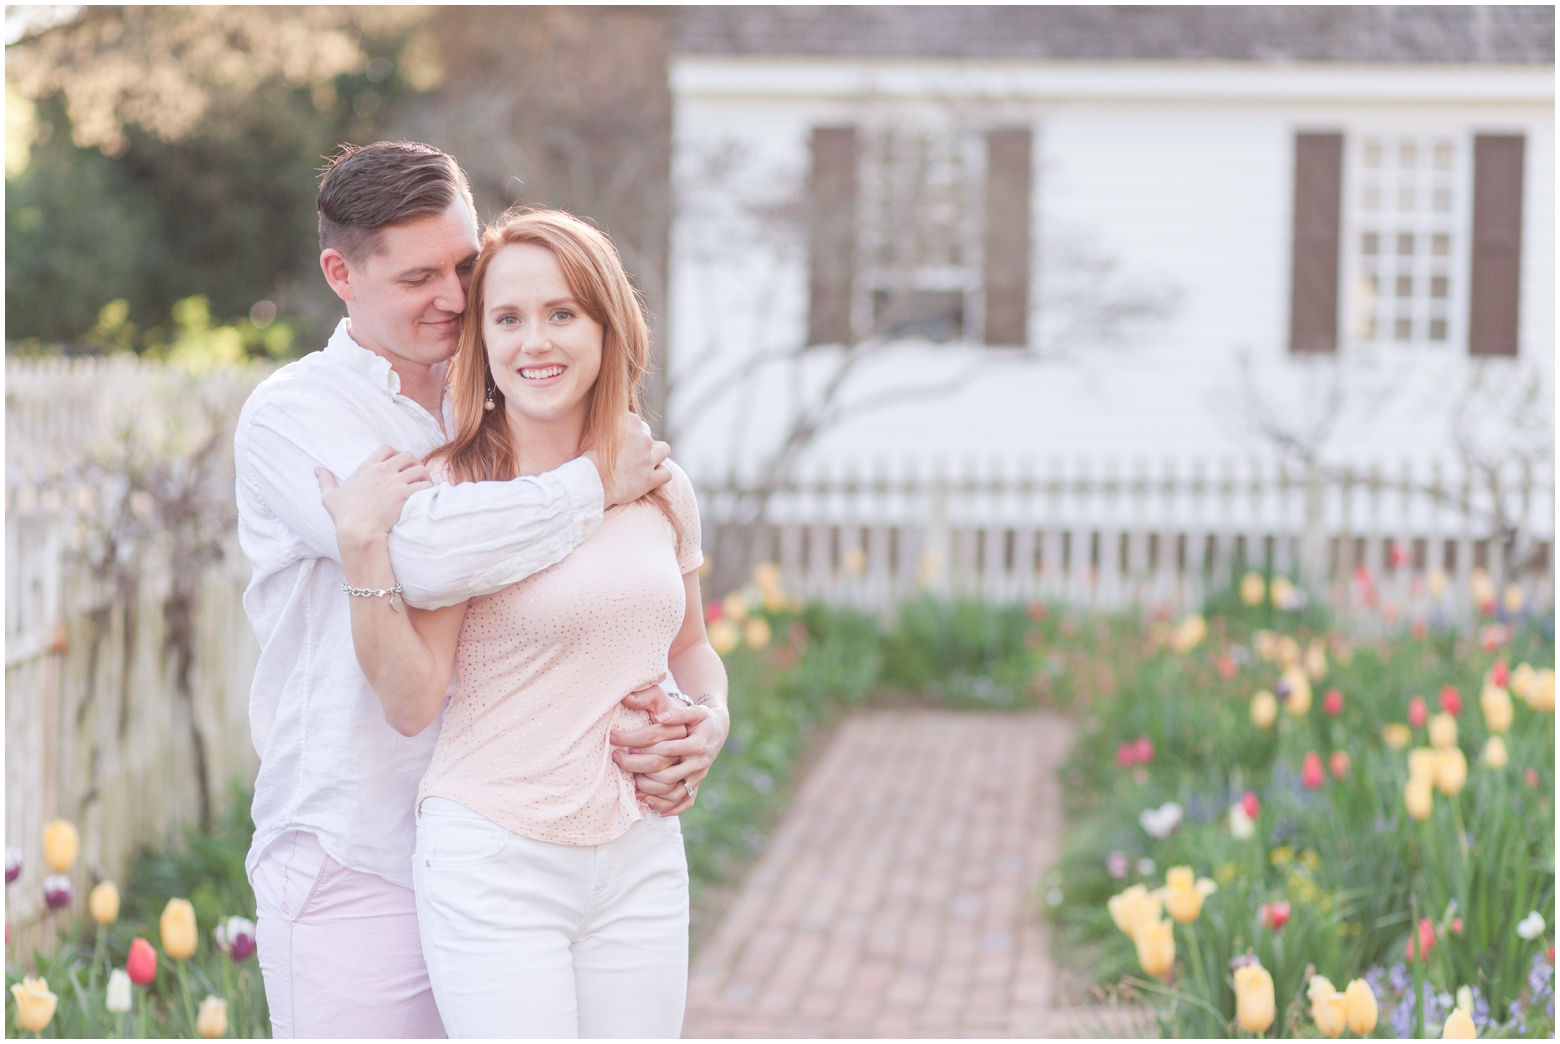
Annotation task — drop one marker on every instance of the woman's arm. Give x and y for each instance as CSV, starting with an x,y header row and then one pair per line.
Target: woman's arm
x,y
701,674
406,654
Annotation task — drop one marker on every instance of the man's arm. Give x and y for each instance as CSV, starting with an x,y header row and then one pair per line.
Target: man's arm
x,y
452,542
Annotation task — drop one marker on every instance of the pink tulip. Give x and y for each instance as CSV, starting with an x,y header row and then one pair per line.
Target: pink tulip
x,y
1418,713
1426,940
1145,750
141,965
1332,703
1338,764
1126,755
1311,773
1250,805
1500,674
1275,915
1451,700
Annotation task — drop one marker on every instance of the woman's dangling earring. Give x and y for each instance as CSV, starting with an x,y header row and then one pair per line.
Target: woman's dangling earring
x,y
489,404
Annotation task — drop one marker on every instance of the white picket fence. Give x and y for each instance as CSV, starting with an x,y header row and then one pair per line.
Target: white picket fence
x,y
1099,535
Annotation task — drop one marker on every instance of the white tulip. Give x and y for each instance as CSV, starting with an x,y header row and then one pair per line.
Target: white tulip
x,y
1531,926
118,1000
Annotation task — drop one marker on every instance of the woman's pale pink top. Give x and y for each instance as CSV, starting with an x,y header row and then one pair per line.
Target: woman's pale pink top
x,y
541,668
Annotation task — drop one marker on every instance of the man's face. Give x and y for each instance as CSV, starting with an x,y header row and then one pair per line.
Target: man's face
x,y
405,299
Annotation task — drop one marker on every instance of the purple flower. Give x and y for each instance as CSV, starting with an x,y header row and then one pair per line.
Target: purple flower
x,y
13,864
56,891
236,938
1116,865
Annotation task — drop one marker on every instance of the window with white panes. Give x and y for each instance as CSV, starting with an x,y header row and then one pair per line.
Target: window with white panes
x,y
1406,216
920,234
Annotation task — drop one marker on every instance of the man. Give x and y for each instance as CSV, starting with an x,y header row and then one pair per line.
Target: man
x,y
333,809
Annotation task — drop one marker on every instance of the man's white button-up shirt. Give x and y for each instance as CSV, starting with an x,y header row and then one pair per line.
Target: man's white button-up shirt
x,y
329,763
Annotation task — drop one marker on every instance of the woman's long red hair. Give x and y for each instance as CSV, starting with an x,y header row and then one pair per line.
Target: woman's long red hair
x,y
482,449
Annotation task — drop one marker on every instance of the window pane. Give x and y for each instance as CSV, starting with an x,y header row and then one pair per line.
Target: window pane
x,y
1372,197
932,315
1443,155
1373,153
1405,286
1438,286
1370,244
1443,200
1408,153
1406,198
1405,244
1403,329
1438,329
1441,244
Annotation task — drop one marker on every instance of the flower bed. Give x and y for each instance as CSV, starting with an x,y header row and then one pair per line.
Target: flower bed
x,y
1262,811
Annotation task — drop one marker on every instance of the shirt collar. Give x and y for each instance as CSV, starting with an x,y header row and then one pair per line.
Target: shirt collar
x,y
344,350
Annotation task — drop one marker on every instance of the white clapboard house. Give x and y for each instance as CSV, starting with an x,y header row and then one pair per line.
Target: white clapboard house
x,y
1118,246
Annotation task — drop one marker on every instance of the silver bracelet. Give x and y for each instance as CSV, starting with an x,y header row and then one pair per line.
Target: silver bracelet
x,y
371,592
680,697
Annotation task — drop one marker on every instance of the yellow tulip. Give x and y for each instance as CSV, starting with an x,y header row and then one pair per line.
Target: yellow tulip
x,y
1512,599
1188,634
1496,702
1134,907
1359,1007
1287,652
1541,694
724,636
766,575
1443,731
1419,798
104,903
1396,736
60,845
1264,709
1316,660
1495,755
1422,763
212,1020
34,1004
1327,1007
735,606
1253,998
1522,679
1265,644
1184,894
1252,589
1458,1026
1299,700
1481,587
1282,590
1155,946
179,935
756,633
1451,771
1437,583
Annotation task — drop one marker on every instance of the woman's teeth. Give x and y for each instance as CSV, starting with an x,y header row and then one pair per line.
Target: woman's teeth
x,y
541,373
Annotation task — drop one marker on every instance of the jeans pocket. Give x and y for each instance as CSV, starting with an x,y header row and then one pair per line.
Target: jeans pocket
x,y
449,834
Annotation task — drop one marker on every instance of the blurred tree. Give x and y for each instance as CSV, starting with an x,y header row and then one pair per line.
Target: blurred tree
x,y
174,151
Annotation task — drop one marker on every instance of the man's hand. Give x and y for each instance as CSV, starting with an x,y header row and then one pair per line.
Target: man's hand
x,y
680,743
640,465
368,504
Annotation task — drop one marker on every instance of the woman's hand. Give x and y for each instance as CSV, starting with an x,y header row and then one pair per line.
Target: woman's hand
x,y
645,751
368,504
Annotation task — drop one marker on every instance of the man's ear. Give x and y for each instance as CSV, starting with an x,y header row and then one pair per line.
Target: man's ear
x,y
337,273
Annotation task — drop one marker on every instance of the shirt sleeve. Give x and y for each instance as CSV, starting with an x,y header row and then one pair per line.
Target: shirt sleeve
x,y
685,505
452,542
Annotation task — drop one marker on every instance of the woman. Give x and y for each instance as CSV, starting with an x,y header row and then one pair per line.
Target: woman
x,y
551,900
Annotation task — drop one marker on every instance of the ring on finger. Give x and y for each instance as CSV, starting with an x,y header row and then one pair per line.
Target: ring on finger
x,y
688,789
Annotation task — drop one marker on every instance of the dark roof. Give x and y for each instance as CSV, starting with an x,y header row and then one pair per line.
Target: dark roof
x,y
1331,34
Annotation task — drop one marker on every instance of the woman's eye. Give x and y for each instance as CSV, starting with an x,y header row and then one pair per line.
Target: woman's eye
x,y
562,315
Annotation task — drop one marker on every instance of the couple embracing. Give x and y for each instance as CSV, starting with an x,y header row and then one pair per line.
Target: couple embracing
x,y
484,692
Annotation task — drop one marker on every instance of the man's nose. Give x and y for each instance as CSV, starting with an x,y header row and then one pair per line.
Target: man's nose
x,y
452,295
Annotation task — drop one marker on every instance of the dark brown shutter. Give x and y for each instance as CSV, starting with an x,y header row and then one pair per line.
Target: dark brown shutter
x,y
1497,244
1313,288
831,238
1008,172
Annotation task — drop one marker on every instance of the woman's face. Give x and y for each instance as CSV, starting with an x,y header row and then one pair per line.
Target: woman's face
x,y
543,350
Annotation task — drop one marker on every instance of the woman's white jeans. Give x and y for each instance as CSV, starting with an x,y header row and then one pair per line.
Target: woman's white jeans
x,y
528,939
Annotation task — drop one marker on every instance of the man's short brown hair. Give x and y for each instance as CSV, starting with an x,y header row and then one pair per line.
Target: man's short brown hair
x,y
369,187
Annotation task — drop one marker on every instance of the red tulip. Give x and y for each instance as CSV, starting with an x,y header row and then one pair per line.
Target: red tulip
x,y
1338,764
1500,675
1530,777
1426,940
713,611
1311,775
141,965
1145,750
1250,805
1227,668
1457,926
1275,915
1126,755
1418,713
1332,703
1451,700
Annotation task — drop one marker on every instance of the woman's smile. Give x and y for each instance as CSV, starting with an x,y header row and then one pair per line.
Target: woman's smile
x,y
542,376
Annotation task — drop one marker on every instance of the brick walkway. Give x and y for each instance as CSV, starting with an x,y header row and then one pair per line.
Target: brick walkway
x,y
898,897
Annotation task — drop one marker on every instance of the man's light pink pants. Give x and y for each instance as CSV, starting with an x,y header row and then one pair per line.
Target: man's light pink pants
x,y
338,948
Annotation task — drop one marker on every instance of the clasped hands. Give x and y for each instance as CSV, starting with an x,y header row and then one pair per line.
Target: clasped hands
x,y
680,744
